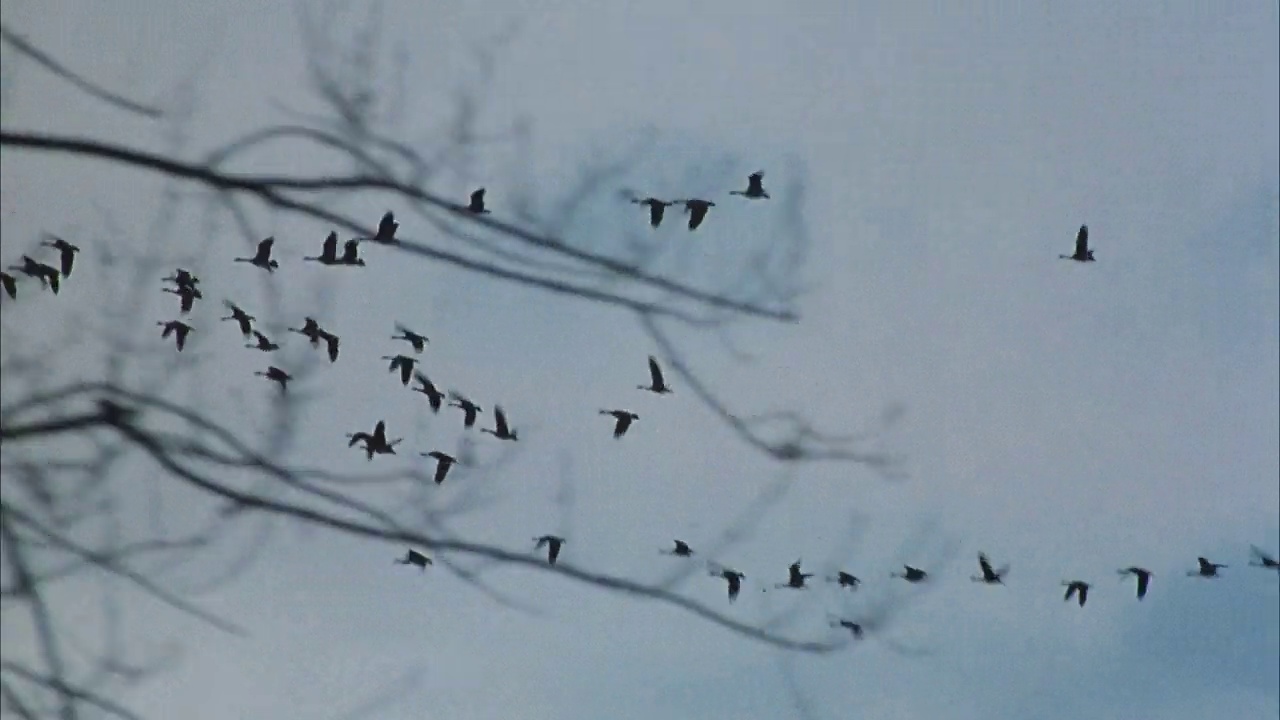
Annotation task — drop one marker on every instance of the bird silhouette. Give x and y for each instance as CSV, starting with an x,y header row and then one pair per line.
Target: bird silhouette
x,y
552,543
989,575
10,284
731,576
263,343
1143,575
656,383
46,274
187,294
404,364
501,430
262,258
845,579
1206,570
622,420
310,329
681,549
413,557
1082,253
1078,588
795,578
419,342
331,342
275,374
182,278
476,205
854,628
387,227
426,387
244,319
911,574
469,409
657,208
66,251
755,187
328,253
351,253
444,461
697,211
1262,560
375,443
178,329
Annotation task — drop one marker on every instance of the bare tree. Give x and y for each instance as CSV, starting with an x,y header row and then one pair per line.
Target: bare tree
x,y
80,457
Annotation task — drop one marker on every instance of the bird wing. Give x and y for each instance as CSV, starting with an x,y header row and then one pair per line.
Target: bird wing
x,y
477,198
1260,555
986,565
1082,240
264,247
500,420
330,246
1205,565
655,372
380,432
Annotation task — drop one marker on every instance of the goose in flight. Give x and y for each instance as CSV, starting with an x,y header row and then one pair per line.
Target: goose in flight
x,y
469,409
681,549
328,252
1082,253
657,208
552,543
845,579
501,430
731,576
242,318
795,578
1078,588
387,227
476,204
46,274
697,211
1143,575
755,187
182,278
413,557
404,364
262,343
187,294
1206,569
911,574
262,258
444,461
66,253
989,575
426,387
623,420
275,374
656,384
178,329
419,342
849,625
351,253
375,443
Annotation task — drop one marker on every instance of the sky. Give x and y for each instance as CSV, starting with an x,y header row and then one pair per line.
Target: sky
x,y
1067,419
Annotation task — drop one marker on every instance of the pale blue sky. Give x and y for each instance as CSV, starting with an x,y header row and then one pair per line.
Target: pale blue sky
x,y
1068,419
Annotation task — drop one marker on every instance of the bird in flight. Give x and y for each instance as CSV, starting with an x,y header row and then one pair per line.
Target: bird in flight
x,y
413,557
1143,575
1078,588
911,574
623,420
66,251
404,364
849,625
387,227
375,443
10,284
262,343
1206,569
328,252
444,461
277,375
657,208
187,294
419,342
989,575
426,387
178,329
681,549
469,409
501,430
1262,560
476,204
242,318
795,578
731,576
697,211
656,384
755,187
1082,253
350,253
262,258
552,543
845,579
46,274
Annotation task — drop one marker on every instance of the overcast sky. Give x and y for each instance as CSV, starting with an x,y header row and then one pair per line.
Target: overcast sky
x,y
1068,419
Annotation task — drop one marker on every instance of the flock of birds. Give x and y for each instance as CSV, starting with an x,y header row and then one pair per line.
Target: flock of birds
x,y
187,287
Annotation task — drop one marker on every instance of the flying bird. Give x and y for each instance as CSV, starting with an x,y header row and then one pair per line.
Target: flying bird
x,y
404,364
331,342
46,274
182,278
697,211
1262,560
989,575
656,383
1206,570
419,342
10,284
444,461
387,227
262,258
657,208
476,206
310,329
469,409
66,251
795,578
328,253
681,549
1143,575
501,430
733,577
187,294
351,252
911,574
849,625
275,374
755,187
375,443
178,329
1079,588
413,557
552,543
1082,253
426,387
845,579
262,343
244,319
623,420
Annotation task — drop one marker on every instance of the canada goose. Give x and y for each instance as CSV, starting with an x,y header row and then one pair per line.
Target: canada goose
x,y
444,461
1206,569
1079,588
1082,253
10,284
989,575
501,430
187,294
1143,575
845,579
755,187
657,208
1262,560
552,543
178,329
476,206
469,409
243,318
275,374
262,343
376,442
387,227
697,211
681,549
310,329
262,258
350,253
911,574
419,342
66,251
404,364
426,387
328,252
413,557
850,625
331,344
46,274
795,578
733,577
623,419
182,278
657,384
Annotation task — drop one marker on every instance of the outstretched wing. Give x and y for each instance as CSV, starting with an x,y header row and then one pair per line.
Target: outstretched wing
x,y
500,420
655,372
330,245
1082,241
